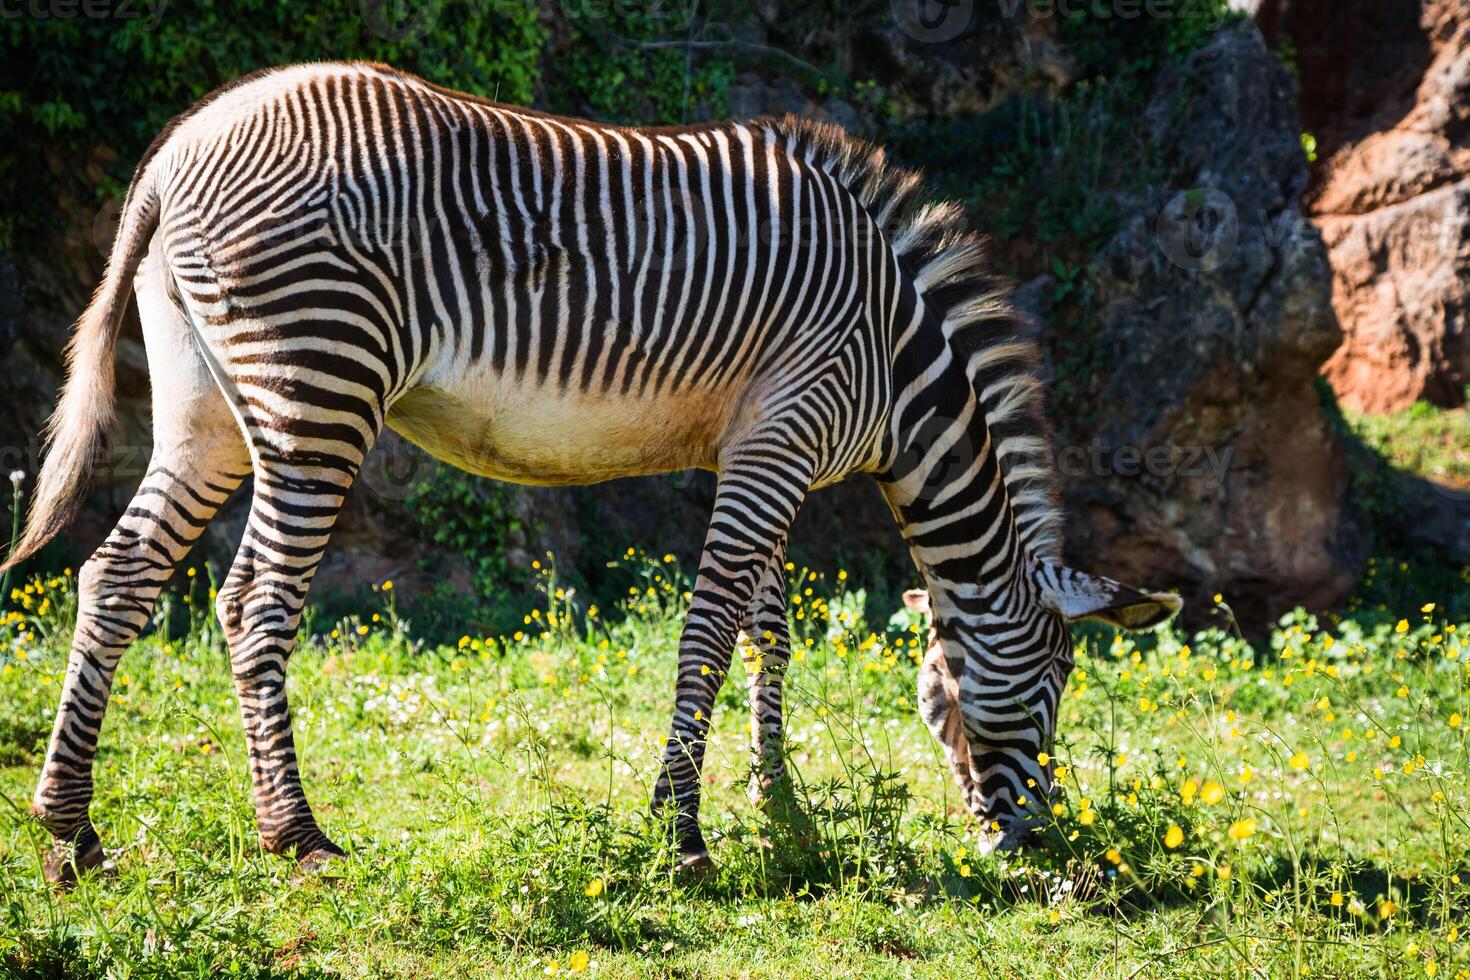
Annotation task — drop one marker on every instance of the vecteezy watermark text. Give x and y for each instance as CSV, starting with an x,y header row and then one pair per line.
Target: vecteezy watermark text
x,y
404,21
150,11
1162,462
938,21
399,470
1203,10
1201,229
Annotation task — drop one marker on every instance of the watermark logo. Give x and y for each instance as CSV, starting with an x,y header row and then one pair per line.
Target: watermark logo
x,y
400,20
396,469
1460,495
105,223
932,21
1198,229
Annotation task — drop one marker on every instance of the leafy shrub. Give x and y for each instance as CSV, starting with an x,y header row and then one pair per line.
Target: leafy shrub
x,y
69,86
473,517
630,63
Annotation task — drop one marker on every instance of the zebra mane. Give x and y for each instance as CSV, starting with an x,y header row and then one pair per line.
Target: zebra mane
x,y
951,271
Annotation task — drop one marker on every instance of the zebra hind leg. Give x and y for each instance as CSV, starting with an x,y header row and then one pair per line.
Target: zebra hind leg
x,y
116,589
259,605
199,458
759,491
766,650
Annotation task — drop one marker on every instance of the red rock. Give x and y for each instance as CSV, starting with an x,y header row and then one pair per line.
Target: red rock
x,y
1386,89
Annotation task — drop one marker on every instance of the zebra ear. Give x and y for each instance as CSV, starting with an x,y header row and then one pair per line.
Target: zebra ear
x,y
1076,595
917,600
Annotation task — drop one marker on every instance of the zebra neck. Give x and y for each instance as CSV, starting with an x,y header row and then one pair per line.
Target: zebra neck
x,y
947,491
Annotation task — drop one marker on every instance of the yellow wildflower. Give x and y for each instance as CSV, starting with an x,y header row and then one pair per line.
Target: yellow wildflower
x,y
1242,829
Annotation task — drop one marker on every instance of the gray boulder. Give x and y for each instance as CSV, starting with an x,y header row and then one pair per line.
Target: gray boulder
x,y
1208,463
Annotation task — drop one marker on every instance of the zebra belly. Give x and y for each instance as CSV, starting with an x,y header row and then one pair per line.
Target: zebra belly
x,y
559,438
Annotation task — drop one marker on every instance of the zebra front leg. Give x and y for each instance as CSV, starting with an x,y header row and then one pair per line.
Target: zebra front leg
x,y
766,649
939,706
758,495
116,589
260,605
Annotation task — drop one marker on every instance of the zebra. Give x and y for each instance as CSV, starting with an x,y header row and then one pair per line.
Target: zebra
x,y
321,250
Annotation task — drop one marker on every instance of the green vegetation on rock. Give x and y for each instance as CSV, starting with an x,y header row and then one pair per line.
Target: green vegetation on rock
x,y
79,91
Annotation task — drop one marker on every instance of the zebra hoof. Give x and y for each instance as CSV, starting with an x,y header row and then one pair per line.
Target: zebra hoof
x,y
1005,841
324,862
765,789
65,864
696,866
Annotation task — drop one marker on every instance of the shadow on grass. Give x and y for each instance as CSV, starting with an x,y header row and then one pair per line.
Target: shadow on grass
x,y
22,741
1362,888
1407,524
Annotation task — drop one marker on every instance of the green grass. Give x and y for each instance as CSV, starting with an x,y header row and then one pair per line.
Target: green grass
x,y
492,795
1426,440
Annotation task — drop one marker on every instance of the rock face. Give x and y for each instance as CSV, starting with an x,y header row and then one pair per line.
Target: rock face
x,y
1392,194
1210,464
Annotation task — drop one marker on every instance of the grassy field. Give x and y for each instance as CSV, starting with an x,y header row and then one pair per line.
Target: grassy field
x,y
1294,808
1424,439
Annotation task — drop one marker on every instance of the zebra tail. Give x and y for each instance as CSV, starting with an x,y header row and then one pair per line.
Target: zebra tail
x,y
75,433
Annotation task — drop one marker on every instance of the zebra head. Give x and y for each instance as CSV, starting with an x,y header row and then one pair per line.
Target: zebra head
x,y
990,683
